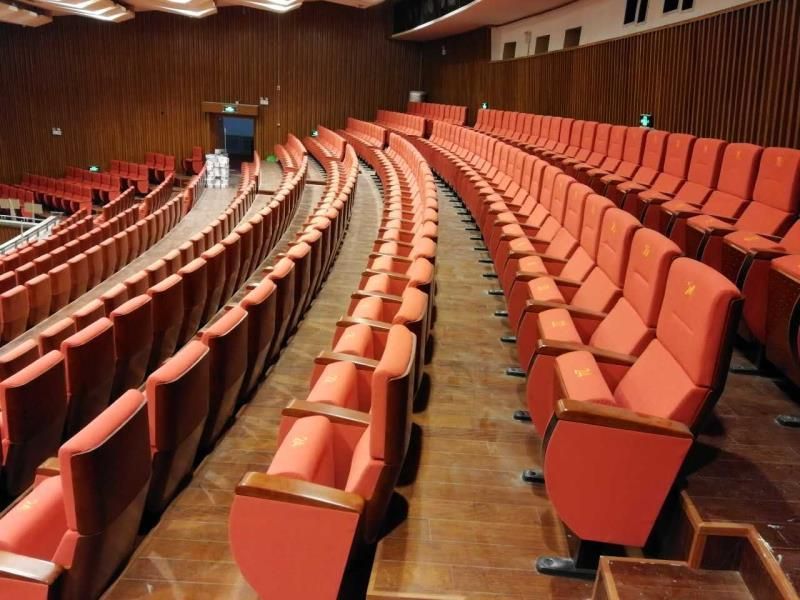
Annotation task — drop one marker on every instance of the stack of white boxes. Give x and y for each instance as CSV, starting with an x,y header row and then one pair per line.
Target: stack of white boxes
x,y
218,170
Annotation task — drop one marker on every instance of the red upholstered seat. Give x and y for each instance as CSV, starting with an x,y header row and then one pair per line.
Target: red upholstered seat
x,y
626,329
18,358
597,443
598,292
195,292
34,407
14,311
361,473
133,341
89,359
82,519
282,275
168,311
215,271
227,340
51,338
177,405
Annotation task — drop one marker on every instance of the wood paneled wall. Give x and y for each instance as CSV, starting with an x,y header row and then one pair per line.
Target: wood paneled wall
x,y
117,91
735,75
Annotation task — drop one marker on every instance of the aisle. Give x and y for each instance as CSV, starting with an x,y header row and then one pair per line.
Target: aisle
x,y
474,528
187,554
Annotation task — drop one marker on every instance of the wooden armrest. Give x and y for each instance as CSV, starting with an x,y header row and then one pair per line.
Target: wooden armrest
x,y
556,348
394,256
358,295
377,325
24,568
390,274
326,357
619,418
398,242
285,489
544,257
335,414
563,281
49,468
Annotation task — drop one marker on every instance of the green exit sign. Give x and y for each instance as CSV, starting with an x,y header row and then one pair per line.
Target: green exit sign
x,y
484,105
314,133
646,120
229,108
94,168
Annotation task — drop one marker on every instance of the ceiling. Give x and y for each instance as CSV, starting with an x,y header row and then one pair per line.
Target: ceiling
x,y
477,14
33,13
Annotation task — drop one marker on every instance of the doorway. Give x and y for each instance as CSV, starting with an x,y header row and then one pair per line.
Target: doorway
x,y
236,135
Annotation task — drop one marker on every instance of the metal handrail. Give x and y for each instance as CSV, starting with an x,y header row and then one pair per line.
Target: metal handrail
x,y
39,229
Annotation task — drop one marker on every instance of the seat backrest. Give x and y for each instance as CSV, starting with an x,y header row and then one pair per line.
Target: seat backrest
x,y
682,371
133,341
34,405
706,162
391,398
653,154
593,215
89,356
632,151
576,134
105,471
777,193
737,178
616,141
50,339
679,149
18,358
575,208
558,202
177,407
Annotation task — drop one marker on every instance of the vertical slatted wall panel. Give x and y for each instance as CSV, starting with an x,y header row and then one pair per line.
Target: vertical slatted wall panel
x,y
735,75
118,91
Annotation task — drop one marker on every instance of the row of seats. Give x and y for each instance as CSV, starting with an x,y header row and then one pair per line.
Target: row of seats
x,y
159,166
20,194
118,205
103,186
341,449
401,122
158,196
333,143
130,174
135,454
368,133
193,164
290,155
65,231
625,342
47,284
449,113
58,194
732,205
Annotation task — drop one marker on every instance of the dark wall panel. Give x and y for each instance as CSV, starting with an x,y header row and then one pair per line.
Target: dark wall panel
x,y
735,75
118,91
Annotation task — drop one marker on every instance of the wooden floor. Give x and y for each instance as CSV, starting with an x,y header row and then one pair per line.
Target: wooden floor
x,y
467,527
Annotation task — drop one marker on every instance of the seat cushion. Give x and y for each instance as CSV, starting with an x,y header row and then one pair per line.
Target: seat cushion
x,y
356,340
581,378
748,241
35,526
788,265
336,385
707,222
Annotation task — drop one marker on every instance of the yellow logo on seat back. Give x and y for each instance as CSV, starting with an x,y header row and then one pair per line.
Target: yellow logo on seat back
x,y
299,441
690,288
331,379
561,323
581,373
646,250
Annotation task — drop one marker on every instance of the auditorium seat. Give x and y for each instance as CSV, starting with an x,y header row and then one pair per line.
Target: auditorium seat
x,y
75,528
89,313
194,163
611,158
78,275
597,293
18,358
133,342
115,296
728,199
168,311
89,360
283,276
614,185
260,304
626,329
34,402
623,444
40,295
226,339
701,179
352,483
215,270
195,288
776,199
51,338
177,406
14,312
60,284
